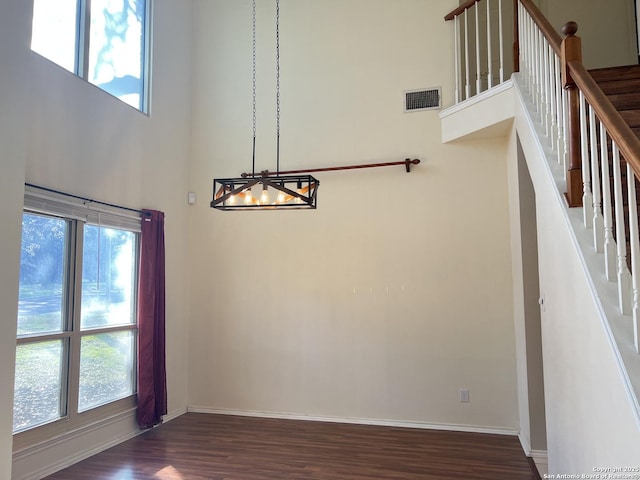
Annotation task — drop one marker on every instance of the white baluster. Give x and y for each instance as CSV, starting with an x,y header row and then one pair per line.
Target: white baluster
x,y
489,56
540,76
624,279
553,100
534,66
609,243
522,32
551,111
559,111
478,69
501,31
547,101
597,223
525,47
530,32
587,198
565,138
529,41
456,40
635,251
532,57
532,53
466,54
541,79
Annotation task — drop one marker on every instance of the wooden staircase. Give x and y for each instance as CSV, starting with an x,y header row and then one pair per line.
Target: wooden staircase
x,y
621,85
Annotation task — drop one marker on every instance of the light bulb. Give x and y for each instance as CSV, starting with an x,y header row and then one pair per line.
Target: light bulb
x,y
281,197
232,198
248,199
264,196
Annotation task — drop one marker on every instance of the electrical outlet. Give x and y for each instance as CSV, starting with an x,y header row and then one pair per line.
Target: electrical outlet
x,y
464,395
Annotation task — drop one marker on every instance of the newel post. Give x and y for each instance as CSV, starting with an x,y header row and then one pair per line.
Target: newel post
x,y
572,51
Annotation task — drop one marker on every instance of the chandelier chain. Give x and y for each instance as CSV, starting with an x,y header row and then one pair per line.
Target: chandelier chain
x,y
253,87
278,65
278,86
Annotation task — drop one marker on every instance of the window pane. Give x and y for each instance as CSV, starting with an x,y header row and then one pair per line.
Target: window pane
x,y
108,275
54,31
106,368
42,271
116,48
38,391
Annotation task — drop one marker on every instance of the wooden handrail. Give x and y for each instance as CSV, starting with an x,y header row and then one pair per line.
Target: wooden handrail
x,y
465,6
628,143
543,24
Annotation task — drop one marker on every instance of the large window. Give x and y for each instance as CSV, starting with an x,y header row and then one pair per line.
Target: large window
x,y
77,315
102,41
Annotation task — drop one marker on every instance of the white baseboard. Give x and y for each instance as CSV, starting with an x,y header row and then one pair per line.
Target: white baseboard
x,y
358,421
30,458
175,414
539,457
541,460
35,462
524,442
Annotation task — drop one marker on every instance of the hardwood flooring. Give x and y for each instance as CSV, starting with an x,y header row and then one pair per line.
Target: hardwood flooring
x,y
201,446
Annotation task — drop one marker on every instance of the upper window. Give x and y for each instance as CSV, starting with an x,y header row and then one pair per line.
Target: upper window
x,y
102,41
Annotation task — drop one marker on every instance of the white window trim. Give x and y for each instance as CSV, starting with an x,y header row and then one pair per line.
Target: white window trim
x,y
47,202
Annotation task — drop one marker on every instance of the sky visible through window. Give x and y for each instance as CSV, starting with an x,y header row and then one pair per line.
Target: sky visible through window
x,y
54,31
115,43
116,48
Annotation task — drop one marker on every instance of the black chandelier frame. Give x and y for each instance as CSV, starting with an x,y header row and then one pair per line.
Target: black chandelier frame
x,y
293,192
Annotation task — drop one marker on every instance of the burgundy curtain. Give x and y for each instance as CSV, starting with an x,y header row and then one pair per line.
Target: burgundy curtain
x,y
152,382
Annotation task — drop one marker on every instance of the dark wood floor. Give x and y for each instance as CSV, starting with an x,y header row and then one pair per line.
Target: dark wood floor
x,y
199,446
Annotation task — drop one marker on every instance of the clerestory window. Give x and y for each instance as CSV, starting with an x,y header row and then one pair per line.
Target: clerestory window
x,y
102,41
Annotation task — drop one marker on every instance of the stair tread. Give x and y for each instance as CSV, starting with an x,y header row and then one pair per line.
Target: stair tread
x,y
625,101
632,117
622,72
612,87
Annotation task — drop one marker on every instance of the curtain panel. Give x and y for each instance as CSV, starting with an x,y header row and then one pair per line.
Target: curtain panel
x,y
152,383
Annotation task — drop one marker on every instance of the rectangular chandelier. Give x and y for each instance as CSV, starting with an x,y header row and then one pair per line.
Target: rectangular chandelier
x,y
289,192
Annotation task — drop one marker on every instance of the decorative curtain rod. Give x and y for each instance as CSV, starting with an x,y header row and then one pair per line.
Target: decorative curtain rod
x,y
84,199
407,163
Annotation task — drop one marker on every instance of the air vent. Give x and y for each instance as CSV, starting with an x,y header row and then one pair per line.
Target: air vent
x,y
417,100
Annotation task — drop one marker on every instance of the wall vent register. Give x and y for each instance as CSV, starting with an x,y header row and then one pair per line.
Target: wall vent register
x,y
425,99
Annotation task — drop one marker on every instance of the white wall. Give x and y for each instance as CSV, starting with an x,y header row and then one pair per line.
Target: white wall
x,y
607,28
396,292
83,141
13,88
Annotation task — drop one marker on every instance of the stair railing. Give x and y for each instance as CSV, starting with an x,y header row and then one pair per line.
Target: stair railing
x,y
598,152
479,47
552,90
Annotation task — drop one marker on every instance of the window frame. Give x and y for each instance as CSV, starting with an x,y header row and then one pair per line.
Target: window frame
x,y
82,52
77,215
